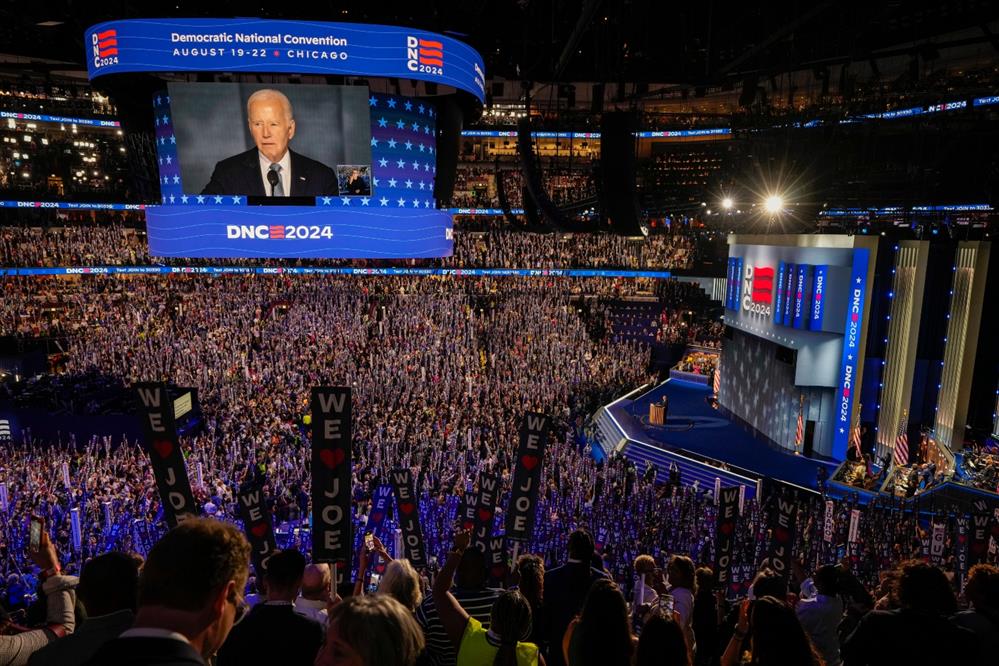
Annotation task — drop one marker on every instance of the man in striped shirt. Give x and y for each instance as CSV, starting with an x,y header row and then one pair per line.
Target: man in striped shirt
x,y
471,592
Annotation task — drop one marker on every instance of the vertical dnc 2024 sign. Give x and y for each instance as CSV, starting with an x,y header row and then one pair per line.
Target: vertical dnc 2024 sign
x,y
852,338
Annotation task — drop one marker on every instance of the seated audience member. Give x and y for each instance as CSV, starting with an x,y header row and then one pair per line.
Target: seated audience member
x,y
315,595
374,630
601,635
109,586
662,642
189,598
919,631
60,600
510,622
775,635
566,587
475,598
982,592
821,614
272,632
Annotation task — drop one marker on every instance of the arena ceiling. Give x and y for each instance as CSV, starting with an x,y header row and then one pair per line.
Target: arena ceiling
x,y
695,43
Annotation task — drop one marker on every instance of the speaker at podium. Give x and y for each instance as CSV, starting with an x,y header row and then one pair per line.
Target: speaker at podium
x,y
657,411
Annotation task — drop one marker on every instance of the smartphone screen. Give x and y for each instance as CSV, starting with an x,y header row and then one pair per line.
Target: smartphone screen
x,y
373,583
35,537
369,541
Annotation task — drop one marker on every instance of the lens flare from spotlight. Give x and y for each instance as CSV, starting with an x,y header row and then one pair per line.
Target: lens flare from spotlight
x,y
774,204
727,203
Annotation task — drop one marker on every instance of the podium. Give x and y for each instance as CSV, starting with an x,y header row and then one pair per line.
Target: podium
x,y
657,412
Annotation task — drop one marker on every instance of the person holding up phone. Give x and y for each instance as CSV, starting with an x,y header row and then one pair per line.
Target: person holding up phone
x,y
372,544
60,600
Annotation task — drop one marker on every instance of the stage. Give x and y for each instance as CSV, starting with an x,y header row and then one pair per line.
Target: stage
x,y
694,427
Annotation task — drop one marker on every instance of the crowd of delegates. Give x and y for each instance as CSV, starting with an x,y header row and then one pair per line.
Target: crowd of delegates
x,y
442,369
699,363
119,244
476,186
981,467
509,249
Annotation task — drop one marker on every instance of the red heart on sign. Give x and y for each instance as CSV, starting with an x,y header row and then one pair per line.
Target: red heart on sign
x,y
498,570
332,457
376,517
782,535
485,515
726,528
380,568
978,547
163,447
735,587
529,462
407,507
259,530
961,538
467,525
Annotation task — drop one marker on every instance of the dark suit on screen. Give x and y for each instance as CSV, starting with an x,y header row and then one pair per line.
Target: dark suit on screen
x,y
240,174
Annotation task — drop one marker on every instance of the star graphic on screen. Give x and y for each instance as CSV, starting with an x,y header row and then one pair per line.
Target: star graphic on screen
x,y
166,120
841,431
392,182
416,203
409,145
426,129
422,148
176,179
218,199
400,124
169,160
416,127
422,184
345,200
382,122
416,165
166,180
161,161
157,122
326,200
171,198
372,101
157,102
409,184
408,105
374,181
374,142
401,163
426,203
383,201
236,200
173,139
858,280
364,201
164,198
421,109
391,102
383,162
200,199
426,167
183,198
162,140
391,143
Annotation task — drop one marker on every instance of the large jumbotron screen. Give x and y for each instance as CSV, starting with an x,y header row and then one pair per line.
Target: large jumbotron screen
x,y
273,168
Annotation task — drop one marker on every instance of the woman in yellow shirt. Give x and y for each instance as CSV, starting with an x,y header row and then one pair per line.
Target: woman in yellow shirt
x,y
510,621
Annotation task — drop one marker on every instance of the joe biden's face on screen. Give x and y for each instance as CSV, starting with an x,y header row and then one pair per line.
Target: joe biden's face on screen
x,y
271,124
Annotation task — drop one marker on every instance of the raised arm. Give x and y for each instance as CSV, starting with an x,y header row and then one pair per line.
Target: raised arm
x,y
453,617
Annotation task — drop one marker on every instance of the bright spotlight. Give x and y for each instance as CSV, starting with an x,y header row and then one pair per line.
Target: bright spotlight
x,y
727,203
774,204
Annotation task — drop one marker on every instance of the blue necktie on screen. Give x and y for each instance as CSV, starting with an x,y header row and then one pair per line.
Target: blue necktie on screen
x,y
277,187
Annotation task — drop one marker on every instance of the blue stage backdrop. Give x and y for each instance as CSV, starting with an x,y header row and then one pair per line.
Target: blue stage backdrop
x,y
296,47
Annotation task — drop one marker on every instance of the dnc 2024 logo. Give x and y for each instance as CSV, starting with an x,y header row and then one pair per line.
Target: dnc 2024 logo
x,y
105,48
758,290
424,55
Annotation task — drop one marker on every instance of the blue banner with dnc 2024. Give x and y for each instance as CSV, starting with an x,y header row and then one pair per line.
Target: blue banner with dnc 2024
x,y
287,47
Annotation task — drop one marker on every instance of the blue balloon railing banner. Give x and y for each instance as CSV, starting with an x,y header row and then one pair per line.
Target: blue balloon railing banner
x,y
284,47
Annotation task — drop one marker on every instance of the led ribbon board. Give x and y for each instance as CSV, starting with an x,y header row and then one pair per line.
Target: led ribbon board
x,y
286,47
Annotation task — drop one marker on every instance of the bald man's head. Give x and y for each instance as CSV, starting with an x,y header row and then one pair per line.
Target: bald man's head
x,y
316,582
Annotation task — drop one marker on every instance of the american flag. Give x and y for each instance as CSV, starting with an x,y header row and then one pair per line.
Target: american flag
x,y
799,435
716,381
901,455
855,439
